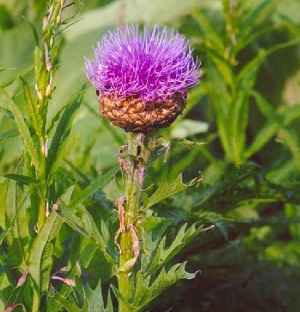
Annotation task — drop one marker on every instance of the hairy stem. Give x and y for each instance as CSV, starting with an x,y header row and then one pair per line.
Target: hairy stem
x,y
133,166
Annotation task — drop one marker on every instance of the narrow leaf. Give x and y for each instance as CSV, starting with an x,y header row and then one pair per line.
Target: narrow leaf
x,y
23,128
38,247
21,179
94,186
262,138
62,130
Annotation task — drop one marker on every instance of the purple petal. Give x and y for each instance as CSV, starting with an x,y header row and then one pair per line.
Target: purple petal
x,y
153,64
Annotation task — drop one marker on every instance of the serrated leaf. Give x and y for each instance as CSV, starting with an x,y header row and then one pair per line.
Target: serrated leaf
x,y
95,300
81,221
163,253
146,291
165,190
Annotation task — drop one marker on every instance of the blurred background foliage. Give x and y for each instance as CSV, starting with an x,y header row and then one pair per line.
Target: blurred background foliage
x,y
240,134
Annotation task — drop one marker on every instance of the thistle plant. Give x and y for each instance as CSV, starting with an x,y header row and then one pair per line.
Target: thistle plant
x,y
141,79
90,224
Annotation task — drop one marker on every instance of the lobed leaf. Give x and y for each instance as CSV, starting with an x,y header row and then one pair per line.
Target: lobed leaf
x,y
81,221
165,253
95,300
165,190
146,291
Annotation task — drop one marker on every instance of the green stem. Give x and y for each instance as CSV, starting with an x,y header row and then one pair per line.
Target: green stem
x,y
134,178
124,278
45,59
35,301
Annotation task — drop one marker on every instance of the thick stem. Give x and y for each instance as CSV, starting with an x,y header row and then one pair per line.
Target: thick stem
x,y
36,301
134,169
124,278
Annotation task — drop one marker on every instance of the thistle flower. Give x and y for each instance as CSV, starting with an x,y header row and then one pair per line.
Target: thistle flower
x,y
142,77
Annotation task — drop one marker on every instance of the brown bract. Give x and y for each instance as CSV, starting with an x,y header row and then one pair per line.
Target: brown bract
x,y
134,115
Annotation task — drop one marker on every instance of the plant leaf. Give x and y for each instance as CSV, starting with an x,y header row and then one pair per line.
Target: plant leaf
x,y
95,300
163,254
94,186
22,128
62,130
146,291
81,221
165,190
68,305
38,248
21,179
188,127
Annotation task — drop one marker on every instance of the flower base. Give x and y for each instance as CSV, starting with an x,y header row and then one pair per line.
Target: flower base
x,y
134,115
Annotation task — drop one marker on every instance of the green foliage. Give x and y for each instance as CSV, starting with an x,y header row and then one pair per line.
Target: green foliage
x,y
237,222
23,129
166,189
62,130
147,291
161,255
95,302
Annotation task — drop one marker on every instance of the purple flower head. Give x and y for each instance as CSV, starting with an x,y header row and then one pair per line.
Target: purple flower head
x,y
152,64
